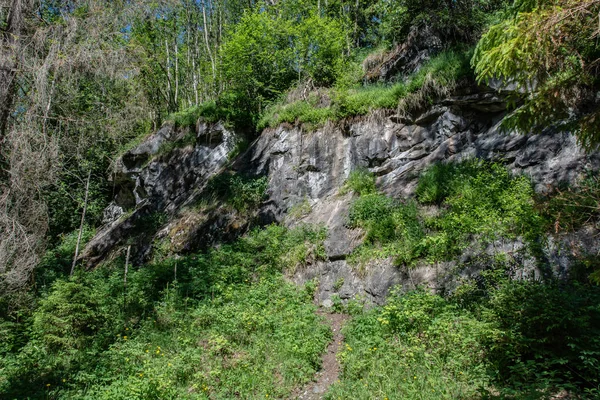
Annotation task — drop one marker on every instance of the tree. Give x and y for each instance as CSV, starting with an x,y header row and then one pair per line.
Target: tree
x,y
267,53
551,49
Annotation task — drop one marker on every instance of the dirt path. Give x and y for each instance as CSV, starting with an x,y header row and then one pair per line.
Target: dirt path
x,y
330,368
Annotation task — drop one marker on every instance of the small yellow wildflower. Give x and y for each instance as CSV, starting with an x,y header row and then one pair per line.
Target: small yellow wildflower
x,y
141,374
64,380
147,351
124,337
47,385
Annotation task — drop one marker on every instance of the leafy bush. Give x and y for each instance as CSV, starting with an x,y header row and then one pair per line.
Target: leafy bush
x,y
455,21
489,204
478,203
241,193
573,207
57,261
550,334
68,318
267,52
416,346
90,336
506,339
227,347
360,181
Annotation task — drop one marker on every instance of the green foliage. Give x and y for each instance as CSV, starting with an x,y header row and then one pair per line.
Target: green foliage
x,y
68,318
230,346
360,181
459,21
550,334
490,204
267,52
416,346
515,339
57,261
347,100
393,229
241,193
300,210
436,183
479,203
573,207
230,322
550,51
188,117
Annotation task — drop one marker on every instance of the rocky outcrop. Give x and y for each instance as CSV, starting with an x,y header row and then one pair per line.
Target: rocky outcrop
x,y
421,44
309,168
157,178
312,167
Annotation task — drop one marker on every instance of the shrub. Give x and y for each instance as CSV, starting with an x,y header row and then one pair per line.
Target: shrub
x,y
550,334
435,79
360,181
267,52
513,339
242,193
68,318
418,345
478,202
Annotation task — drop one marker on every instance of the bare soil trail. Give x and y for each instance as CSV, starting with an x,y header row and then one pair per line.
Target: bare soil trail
x,y
330,368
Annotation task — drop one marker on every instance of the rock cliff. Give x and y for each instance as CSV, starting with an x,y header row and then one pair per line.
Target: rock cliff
x,y
305,171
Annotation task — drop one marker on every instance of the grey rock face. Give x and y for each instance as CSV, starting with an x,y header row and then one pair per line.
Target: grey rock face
x,y
151,183
311,167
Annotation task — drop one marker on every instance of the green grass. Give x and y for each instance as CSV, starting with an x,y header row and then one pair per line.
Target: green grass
x,y
347,101
229,323
253,342
208,111
492,338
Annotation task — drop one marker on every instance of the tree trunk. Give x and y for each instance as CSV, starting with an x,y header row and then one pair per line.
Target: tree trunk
x,y
125,278
208,50
10,40
85,201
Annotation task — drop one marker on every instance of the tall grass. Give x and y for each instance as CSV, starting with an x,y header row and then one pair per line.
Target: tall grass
x,y
439,73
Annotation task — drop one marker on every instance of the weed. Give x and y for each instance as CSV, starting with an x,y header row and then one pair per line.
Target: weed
x,y
240,192
360,181
300,210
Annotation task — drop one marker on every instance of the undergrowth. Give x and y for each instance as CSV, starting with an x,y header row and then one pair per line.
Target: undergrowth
x,y
493,337
351,100
224,328
478,202
240,192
